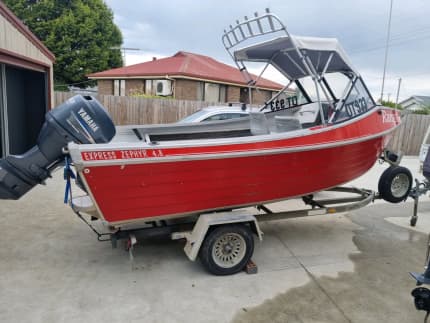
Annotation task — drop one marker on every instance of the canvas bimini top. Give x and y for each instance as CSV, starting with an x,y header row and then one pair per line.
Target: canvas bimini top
x,y
326,55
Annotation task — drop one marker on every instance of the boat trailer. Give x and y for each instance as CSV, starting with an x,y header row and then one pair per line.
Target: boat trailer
x,y
224,241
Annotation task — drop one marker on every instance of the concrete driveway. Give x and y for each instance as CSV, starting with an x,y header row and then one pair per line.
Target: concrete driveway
x,y
333,268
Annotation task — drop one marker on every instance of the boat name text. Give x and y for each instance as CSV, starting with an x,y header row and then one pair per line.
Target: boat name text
x,y
121,154
88,120
389,117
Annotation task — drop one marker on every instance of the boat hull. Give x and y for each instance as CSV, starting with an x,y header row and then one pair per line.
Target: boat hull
x,y
147,191
129,185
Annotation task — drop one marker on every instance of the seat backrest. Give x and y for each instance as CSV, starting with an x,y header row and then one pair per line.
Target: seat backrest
x,y
309,113
258,123
287,123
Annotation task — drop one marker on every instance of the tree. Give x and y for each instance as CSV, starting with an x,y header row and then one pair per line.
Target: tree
x,y
391,104
80,33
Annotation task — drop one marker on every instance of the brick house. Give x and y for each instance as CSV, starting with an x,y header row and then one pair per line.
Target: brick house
x,y
184,76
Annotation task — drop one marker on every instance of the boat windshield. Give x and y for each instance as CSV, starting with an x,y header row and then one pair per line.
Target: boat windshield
x,y
357,102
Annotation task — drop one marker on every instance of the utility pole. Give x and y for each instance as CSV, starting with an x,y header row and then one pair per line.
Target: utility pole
x,y
123,50
398,91
386,49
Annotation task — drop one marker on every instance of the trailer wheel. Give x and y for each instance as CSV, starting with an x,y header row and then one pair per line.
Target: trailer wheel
x,y
395,184
227,249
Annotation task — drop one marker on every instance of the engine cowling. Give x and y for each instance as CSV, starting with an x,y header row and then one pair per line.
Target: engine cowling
x,y
81,119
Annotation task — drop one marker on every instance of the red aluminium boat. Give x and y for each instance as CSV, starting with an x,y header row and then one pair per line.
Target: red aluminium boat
x,y
300,142
316,138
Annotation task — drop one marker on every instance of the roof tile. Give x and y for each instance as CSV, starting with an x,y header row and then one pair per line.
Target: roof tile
x,y
188,65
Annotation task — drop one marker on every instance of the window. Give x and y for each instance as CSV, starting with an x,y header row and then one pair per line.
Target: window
x,y
223,93
200,91
225,116
148,87
211,92
119,87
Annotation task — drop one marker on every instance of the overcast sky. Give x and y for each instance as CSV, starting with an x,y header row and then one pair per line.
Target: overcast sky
x,y
162,28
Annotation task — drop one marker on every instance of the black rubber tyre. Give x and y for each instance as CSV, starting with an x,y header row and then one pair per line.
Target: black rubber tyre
x,y
395,184
413,221
227,249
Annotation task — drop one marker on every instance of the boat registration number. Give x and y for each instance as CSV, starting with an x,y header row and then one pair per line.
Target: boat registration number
x,y
356,107
283,104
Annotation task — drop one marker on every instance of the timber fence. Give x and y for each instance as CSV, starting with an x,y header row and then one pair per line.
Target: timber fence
x,y
126,110
137,110
409,136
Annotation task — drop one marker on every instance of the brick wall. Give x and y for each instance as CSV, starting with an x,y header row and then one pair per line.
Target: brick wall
x,y
184,90
233,93
187,90
261,96
134,87
105,87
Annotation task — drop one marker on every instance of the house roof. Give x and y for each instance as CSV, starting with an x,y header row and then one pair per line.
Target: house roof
x,y
420,99
23,29
185,65
424,100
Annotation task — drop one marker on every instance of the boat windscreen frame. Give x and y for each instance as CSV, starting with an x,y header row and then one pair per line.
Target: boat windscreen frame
x,y
269,23
330,91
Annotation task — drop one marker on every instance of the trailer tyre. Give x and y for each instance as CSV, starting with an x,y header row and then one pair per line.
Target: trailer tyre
x,y
227,249
395,184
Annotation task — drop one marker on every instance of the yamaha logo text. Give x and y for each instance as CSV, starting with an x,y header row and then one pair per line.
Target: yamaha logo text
x,y
88,120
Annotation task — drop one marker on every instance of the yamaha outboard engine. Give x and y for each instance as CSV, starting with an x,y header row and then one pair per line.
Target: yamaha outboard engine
x,y
81,119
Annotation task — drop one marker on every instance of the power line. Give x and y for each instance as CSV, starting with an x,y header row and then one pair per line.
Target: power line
x,y
397,43
71,84
404,34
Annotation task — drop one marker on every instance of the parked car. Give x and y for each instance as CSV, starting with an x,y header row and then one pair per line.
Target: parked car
x,y
214,113
424,148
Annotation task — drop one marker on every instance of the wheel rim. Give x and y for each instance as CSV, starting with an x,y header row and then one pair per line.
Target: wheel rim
x,y
400,185
229,250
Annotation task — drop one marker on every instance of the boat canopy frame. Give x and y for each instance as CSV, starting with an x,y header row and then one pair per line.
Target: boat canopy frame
x,y
294,57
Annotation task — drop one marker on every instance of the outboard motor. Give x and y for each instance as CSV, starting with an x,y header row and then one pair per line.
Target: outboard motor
x,y
81,119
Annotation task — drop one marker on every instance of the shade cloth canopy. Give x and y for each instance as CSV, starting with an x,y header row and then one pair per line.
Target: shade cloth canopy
x,y
282,54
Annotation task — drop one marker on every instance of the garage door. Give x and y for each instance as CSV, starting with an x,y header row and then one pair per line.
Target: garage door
x,y
23,104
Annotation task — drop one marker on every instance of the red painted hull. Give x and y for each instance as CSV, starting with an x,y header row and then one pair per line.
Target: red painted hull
x,y
162,188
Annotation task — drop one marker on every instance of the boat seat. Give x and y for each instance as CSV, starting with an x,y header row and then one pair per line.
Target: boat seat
x,y
259,124
287,123
309,115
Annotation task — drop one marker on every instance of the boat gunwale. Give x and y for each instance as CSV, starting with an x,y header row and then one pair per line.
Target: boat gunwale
x,y
76,150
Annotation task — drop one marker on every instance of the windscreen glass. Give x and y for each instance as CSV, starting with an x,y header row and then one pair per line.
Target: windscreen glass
x,y
356,103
